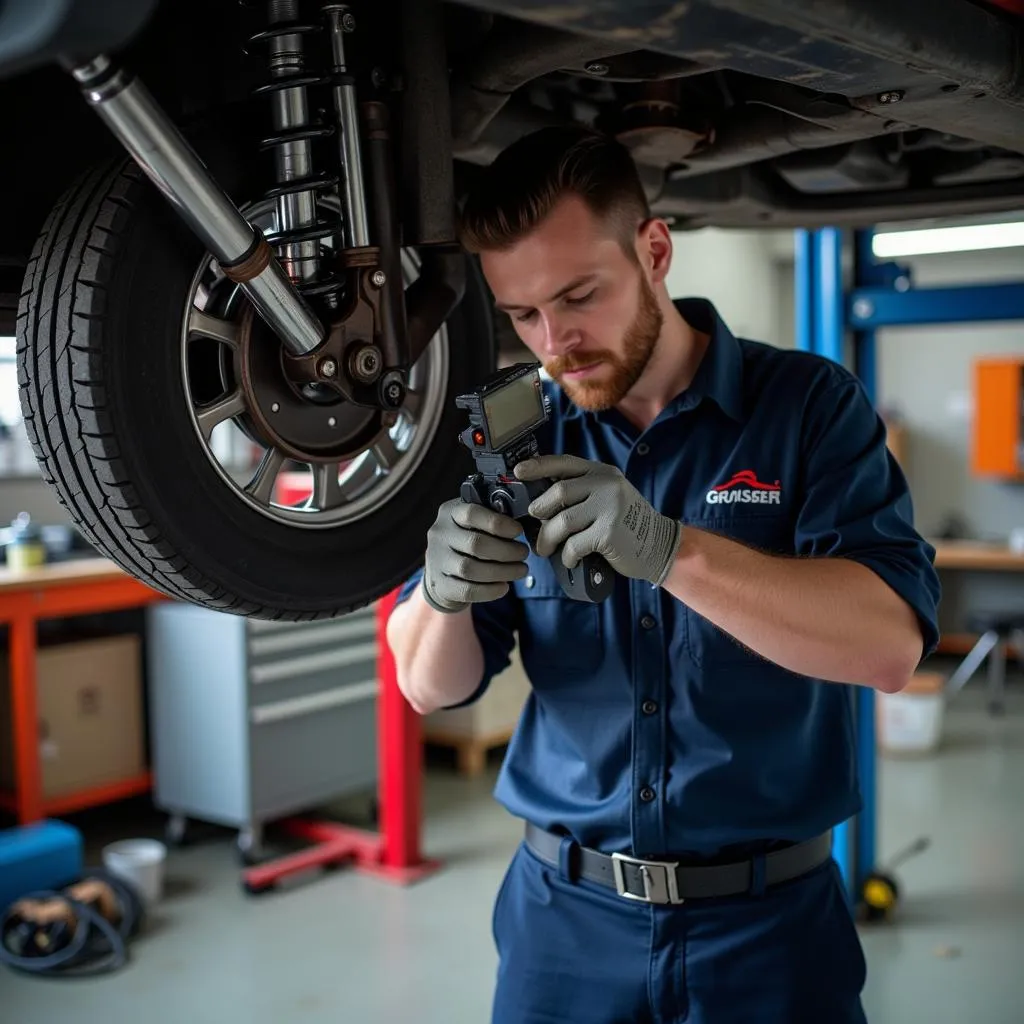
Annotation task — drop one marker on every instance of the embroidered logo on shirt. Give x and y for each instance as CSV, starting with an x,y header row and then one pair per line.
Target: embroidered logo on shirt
x,y
745,489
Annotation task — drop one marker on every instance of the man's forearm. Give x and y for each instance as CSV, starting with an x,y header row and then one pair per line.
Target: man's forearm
x,y
438,658
828,618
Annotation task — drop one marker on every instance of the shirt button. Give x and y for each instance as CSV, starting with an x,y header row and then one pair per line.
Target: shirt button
x,y
529,581
649,707
647,794
643,448
648,622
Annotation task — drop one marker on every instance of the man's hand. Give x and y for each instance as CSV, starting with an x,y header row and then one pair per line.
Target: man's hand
x,y
472,555
591,506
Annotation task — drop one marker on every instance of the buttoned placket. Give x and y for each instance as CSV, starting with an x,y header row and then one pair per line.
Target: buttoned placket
x,y
649,682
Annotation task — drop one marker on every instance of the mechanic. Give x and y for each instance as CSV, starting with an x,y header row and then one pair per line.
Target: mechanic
x,y
697,722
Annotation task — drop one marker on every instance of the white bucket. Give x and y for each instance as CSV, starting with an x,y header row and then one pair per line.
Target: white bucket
x,y
910,722
139,862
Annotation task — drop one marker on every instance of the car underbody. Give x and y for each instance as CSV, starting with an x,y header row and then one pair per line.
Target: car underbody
x,y
297,165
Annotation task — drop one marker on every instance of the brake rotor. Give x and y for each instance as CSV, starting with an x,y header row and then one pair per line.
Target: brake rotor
x,y
309,422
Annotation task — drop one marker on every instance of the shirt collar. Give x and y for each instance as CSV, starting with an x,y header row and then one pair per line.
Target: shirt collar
x,y
719,375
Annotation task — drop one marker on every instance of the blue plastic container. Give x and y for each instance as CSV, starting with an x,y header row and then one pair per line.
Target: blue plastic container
x,y
45,855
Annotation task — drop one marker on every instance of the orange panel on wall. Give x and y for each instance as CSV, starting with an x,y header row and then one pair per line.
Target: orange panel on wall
x,y
997,442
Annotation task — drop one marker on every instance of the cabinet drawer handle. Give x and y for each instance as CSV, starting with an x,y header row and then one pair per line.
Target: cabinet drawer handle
x,y
325,633
319,662
294,707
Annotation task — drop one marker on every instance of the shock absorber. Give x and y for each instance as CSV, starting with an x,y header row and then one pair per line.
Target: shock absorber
x,y
357,232
303,223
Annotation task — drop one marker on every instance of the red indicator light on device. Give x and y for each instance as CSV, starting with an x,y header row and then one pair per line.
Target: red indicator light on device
x,y
478,438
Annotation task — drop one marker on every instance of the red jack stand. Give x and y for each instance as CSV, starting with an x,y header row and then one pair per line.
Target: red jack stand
x,y
393,853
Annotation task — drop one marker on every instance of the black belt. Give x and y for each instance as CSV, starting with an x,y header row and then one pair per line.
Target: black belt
x,y
658,881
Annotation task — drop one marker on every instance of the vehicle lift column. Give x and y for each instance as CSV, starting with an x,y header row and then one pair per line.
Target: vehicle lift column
x,y
827,316
821,328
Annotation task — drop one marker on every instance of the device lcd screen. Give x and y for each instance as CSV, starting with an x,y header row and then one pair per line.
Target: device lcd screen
x,y
513,409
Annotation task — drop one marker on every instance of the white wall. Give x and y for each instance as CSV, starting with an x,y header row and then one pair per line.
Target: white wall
x,y
737,272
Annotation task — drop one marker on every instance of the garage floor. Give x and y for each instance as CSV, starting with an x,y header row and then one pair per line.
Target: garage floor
x,y
346,948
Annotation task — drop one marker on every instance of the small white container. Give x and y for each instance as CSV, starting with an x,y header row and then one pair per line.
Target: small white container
x,y
910,722
140,862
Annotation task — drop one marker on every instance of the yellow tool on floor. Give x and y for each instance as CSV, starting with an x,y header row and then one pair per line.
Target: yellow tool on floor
x,y
880,893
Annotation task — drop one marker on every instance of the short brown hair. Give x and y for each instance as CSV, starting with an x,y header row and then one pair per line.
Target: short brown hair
x,y
522,186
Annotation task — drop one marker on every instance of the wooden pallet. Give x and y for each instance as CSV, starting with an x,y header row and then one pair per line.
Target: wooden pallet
x,y
470,751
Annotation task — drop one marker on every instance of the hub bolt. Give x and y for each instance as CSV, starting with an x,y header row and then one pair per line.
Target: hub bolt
x,y
597,68
366,364
378,279
327,367
392,390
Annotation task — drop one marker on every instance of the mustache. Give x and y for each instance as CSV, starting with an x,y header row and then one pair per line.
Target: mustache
x,y
564,364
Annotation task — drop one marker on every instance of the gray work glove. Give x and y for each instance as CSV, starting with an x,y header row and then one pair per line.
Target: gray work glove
x,y
591,506
472,556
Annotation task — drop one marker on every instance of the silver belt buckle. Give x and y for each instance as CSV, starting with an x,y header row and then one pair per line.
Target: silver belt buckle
x,y
659,877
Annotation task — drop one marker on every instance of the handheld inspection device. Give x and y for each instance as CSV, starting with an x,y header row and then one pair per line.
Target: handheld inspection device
x,y
504,412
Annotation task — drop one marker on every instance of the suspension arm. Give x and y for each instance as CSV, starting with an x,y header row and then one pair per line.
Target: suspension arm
x,y
130,112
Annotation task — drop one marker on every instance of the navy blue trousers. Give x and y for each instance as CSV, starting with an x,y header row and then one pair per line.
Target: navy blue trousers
x,y
575,952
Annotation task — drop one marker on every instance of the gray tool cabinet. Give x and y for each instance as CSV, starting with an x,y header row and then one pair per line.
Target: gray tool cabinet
x,y
253,720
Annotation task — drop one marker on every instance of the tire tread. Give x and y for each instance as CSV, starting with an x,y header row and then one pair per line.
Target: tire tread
x,y
60,329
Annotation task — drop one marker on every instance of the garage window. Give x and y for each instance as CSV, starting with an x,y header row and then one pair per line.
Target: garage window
x,y
16,458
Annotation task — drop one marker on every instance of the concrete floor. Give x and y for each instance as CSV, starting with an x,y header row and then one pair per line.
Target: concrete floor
x,y
348,948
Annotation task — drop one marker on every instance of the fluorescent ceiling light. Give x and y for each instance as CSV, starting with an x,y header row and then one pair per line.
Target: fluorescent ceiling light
x,y
961,239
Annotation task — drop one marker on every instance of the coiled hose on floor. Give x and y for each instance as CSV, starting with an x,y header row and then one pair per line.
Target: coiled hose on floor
x,y
80,931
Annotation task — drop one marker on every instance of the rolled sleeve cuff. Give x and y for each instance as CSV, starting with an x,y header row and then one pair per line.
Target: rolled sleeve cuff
x,y
408,587
913,579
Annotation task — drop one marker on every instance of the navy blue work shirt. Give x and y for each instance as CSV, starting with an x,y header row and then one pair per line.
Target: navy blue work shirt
x,y
648,729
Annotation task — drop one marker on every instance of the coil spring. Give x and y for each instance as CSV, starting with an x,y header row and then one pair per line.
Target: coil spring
x,y
324,227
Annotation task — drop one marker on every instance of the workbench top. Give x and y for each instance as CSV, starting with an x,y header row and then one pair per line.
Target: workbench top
x,y
54,574
976,554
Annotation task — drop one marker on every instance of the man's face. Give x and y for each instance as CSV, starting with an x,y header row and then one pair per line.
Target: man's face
x,y
582,307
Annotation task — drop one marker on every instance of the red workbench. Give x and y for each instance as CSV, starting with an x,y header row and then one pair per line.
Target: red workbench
x,y
59,590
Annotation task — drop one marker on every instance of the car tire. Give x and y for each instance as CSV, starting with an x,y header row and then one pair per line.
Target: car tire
x,y
106,411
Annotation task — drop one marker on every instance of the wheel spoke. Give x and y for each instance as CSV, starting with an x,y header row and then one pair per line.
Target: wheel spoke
x,y
412,405
224,331
360,472
209,416
327,492
261,486
385,453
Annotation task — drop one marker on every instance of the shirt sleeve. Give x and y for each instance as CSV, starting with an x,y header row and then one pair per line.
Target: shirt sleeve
x,y
495,626
857,503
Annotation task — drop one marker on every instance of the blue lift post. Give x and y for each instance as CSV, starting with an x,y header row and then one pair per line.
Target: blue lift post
x,y
882,296
821,328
